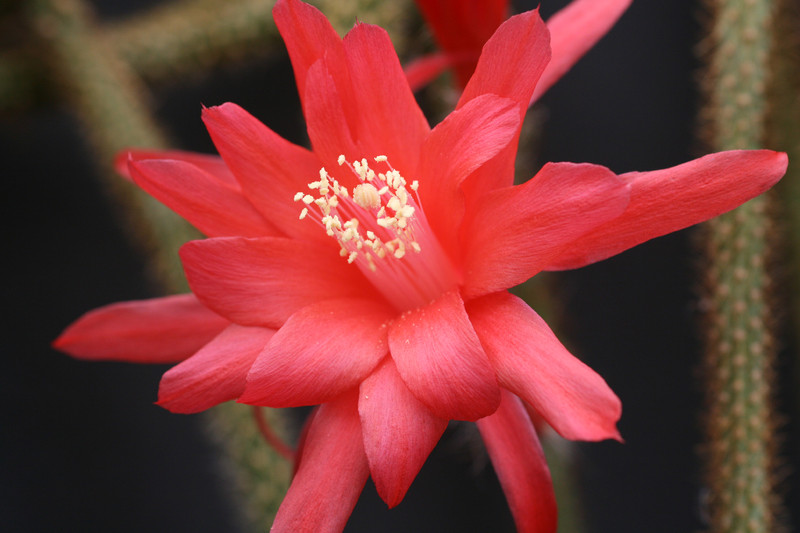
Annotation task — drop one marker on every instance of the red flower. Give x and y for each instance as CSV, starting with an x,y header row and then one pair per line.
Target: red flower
x,y
369,275
462,27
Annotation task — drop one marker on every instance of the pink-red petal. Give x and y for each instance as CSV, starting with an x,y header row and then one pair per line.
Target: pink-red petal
x,y
664,201
515,232
573,31
391,122
261,282
441,360
309,37
213,164
331,474
531,362
512,60
329,131
463,26
399,431
160,330
463,141
216,373
521,467
270,169
321,351
510,65
214,207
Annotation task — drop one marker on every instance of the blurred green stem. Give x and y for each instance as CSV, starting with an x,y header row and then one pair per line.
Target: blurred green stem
x,y
108,99
740,349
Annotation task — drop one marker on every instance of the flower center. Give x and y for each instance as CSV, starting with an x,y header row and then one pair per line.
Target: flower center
x,y
382,229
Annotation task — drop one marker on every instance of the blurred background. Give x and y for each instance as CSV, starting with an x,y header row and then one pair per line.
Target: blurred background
x,y
83,447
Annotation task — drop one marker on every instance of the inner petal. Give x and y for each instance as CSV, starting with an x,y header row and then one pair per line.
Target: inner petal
x,y
381,228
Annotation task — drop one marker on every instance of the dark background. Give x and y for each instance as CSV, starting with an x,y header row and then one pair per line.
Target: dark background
x,y
83,448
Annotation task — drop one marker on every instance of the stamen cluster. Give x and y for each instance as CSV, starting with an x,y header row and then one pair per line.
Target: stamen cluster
x,y
376,221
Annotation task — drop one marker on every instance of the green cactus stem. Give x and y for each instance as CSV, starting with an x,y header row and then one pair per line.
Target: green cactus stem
x,y
109,101
740,424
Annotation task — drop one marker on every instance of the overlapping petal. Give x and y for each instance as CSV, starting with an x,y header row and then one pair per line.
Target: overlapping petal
x,y
512,60
216,208
441,360
517,231
331,472
309,37
399,431
213,164
329,131
216,373
321,351
390,121
531,362
270,169
262,282
457,146
461,27
160,330
521,466
510,65
664,201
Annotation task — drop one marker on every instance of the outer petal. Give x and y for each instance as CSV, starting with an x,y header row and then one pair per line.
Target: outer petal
x,y
510,65
441,360
160,330
261,282
215,207
512,60
520,465
269,168
667,200
216,373
309,37
213,164
516,231
330,132
573,31
321,351
399,431
391,122
463,141
331,473
533,364
463,26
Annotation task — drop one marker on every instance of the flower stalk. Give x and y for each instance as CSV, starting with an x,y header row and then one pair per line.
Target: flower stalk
x,y
738,245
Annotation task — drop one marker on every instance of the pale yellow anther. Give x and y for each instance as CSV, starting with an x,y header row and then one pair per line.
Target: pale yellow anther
x,y
303,213
308,199
394,203
381,158
341,160
298,196
352,257
414,185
